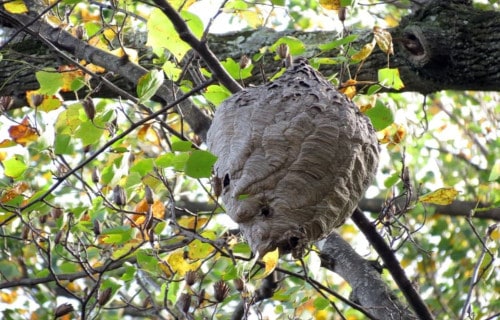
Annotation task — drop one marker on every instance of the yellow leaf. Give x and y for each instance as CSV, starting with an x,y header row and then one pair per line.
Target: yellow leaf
x,y
131,54
8,297
495,234
199,250
16,7
364,52
270,260
349,88
192,222
383,39
442,196
330,4
69,74
179,264
365,107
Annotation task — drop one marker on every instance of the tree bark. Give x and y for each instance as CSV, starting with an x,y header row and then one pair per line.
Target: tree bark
x,y
444,46
368,288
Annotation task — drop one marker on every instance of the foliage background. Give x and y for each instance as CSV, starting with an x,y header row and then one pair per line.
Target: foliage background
x,y
124,230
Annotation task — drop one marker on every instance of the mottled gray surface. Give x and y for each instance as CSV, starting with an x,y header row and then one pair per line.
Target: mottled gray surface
x,y
294,158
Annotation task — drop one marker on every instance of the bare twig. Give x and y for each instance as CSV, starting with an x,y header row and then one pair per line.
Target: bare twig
x,y
476,275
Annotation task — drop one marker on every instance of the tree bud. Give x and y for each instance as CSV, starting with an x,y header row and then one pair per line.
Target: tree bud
x,y
104,296
63,309
88,106
119,196
221,290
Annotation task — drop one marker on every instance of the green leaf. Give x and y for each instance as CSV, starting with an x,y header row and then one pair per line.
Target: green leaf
x,y
69,120
50,81
14,167
233,68
129,273
495,172
148,84
321,303
162,34
143,167
89,133
199,164
181,145
174,291
171,70
392,180
390,78
296,46
380,115
216,94
147,261
63,144
337,43
117,235
278,2
373,89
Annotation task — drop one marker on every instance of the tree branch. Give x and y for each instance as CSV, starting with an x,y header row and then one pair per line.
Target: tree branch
x,y
199,46
392,265
368,288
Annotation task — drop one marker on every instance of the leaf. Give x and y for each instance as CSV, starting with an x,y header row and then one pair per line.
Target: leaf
x,y
14,167
296,46
199,164
116,235
148,84
442,196
190,222
216,94
171,70
330,4
181,145
162,34
50,81
69,74
143,167
179,264
234,69
23,133
390,78
270,260
16,7
364,52
14,191
495,172
336,43
383,39
380,115
199,250
42,102
349,88
89,133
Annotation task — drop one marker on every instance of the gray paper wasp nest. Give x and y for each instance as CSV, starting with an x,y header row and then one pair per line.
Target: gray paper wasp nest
x,y
294,158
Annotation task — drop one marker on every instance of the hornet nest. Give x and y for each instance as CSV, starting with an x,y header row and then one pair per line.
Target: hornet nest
x,y
294,158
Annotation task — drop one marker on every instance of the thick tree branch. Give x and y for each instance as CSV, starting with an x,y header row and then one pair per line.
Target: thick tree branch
x,y
63,40
368,288
455,209
392,265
